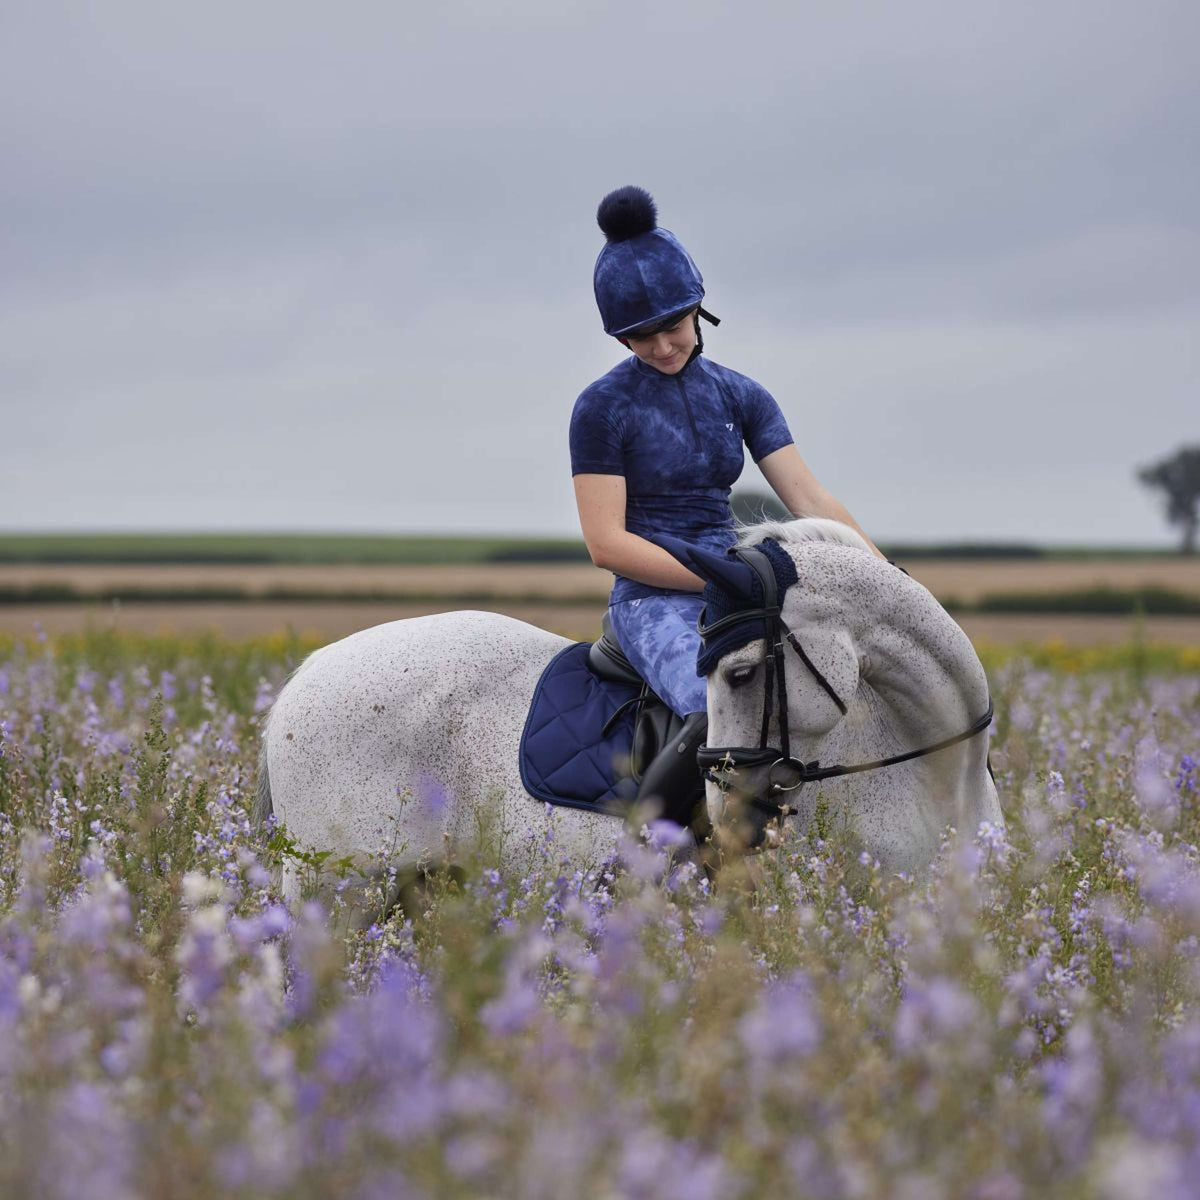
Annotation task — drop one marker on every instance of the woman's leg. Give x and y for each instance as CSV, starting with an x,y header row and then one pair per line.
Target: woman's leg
x,y
658,635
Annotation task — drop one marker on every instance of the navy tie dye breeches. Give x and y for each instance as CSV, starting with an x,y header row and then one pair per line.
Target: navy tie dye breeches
x,y
658,635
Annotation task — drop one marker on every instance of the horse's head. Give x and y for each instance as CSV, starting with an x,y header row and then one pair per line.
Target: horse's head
x,y
782,665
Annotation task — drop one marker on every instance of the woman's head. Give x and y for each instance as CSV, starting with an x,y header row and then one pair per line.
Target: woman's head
x,y
643,277
666,346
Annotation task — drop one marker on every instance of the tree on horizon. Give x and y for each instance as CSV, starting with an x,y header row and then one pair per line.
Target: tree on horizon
x,y
1179,478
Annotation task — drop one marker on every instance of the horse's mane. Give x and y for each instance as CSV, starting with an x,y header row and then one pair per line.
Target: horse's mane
x,y
802,529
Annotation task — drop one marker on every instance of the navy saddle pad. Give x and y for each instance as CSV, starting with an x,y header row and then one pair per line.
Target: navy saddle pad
x,y
564,757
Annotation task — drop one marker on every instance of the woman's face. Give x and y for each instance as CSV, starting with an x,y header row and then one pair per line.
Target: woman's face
x,y
666,350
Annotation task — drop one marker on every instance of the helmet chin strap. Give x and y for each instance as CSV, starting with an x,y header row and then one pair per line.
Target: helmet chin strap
x,y
701,311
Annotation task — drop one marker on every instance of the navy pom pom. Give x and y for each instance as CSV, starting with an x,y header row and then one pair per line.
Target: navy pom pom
x,y
626,212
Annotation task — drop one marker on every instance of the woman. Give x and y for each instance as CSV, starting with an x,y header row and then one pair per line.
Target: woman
x,y
656,445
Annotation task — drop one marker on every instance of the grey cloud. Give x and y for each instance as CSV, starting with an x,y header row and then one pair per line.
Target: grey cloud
x,y
240,240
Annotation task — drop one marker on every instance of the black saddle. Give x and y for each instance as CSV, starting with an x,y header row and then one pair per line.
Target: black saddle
x,y
655,725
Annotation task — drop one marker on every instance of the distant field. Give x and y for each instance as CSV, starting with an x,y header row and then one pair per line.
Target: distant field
x,y
450,579
325,622
970,581
364,549
279,548
331,600
965,581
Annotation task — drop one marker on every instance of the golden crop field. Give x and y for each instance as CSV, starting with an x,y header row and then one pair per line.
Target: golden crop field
x,y
551,580
962,579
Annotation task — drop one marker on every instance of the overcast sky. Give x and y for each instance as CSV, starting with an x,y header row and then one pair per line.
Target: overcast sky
x,y
318,266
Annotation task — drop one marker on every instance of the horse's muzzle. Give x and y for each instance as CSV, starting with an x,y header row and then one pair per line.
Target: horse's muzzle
x,y
785,774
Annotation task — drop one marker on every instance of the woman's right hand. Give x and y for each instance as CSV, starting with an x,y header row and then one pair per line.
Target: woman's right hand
x,y
601,503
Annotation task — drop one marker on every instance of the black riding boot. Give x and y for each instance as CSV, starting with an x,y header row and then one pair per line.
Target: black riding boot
x,y
673,779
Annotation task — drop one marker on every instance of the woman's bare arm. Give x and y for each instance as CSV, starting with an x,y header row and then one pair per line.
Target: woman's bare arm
x,y
601,503
798,488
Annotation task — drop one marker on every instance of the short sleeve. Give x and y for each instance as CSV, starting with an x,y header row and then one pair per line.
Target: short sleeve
x,y
764,428
597,440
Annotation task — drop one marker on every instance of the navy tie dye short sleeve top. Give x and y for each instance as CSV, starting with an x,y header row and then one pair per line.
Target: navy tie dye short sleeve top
x,y
677,440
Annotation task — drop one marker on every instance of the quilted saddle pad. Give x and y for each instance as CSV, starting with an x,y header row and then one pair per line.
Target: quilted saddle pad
x,y
564,757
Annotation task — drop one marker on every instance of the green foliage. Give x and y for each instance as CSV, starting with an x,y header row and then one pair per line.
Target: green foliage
x,y
279,548
968,550
1151,600
314,865
67,593
201,548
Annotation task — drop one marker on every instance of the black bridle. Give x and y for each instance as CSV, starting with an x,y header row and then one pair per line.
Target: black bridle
x,y
786,773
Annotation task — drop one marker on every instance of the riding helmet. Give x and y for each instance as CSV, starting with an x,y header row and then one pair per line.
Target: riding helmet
x,y
643,274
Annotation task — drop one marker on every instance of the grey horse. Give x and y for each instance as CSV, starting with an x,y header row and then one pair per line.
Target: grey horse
x,y
405,735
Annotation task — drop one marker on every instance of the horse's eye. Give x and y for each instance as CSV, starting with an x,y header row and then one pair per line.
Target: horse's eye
x,y
738,677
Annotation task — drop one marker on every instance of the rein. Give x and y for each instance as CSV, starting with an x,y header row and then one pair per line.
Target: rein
x,y
786,773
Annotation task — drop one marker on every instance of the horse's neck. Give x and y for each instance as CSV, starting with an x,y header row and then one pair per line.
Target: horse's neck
x,y
920,682
928,694
923,683
919,662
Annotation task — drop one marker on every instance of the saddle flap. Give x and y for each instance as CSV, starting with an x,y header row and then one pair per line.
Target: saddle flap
x,y
657,726
564,756
571,753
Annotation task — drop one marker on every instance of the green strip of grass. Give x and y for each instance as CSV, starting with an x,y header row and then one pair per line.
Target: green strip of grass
x,y
65,593
1148,601
429,548
282,548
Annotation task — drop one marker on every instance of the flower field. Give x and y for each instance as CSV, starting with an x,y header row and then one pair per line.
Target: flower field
x,y
1022,1023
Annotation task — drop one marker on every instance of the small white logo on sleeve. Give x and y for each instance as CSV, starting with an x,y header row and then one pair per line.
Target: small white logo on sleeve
x,y
729,426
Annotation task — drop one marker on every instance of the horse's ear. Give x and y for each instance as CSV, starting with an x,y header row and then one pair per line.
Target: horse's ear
x,y
725,570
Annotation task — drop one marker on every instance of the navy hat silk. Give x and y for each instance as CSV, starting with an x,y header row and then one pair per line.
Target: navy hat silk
x,y
643,274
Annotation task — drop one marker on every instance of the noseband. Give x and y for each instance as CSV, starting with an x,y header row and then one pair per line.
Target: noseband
x,y
786,773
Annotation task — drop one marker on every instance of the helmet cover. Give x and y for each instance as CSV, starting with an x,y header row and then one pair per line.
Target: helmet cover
x,y
643,274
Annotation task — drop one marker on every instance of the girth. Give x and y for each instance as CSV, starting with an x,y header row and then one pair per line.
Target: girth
x,y
786,773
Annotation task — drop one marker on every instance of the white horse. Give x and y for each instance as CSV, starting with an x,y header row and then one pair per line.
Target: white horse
x,y
407,733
